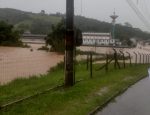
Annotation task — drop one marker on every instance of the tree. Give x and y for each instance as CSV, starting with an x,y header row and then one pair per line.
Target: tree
x,y
56,38
42,12
8,36
40,26
23,28
128,24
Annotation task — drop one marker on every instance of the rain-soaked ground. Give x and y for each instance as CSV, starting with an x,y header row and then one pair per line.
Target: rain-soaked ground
x,y
135,101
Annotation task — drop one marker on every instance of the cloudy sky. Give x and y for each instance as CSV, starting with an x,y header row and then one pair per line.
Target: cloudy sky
x,y
98,9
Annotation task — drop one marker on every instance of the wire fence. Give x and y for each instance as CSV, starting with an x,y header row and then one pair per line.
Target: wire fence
x,y
24,63
120,59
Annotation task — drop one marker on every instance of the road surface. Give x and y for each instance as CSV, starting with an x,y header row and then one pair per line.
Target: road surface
x,y
135,101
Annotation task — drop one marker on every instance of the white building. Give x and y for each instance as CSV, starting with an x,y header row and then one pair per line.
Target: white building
x,y
98,39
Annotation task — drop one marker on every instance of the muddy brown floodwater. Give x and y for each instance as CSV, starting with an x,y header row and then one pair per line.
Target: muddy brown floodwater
x,y
22,62
135,101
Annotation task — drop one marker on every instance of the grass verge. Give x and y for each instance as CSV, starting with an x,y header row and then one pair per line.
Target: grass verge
x,y
77,100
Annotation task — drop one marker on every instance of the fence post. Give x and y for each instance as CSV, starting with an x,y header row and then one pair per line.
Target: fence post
x,y
124,63
106,63
64,63
148,58
143,58
87,62
91,68
129,58
135,57
74,59
116,60
140,58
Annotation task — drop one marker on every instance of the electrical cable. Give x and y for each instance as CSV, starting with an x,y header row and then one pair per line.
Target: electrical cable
x,y
138,13
81,7
146,8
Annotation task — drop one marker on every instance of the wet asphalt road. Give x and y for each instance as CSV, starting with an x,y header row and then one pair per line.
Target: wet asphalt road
x,y
135,101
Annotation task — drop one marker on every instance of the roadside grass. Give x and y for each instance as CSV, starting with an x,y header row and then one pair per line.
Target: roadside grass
x,y
77,100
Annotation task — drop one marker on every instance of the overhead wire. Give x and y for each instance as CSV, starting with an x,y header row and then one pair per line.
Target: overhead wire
x,y
78,9
146,8
138,13
143,8
81,7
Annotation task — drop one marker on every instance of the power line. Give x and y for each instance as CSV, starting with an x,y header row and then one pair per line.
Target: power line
x,y
81,7
146,8
138,13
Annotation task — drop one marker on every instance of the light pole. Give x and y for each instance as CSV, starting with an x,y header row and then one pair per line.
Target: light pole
x,y
69,44
114,17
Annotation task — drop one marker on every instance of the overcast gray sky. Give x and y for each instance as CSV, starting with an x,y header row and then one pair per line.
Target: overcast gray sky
x,y
98,9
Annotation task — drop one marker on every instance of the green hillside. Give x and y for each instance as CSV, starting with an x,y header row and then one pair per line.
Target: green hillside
x,y
122,32
41,23
24,21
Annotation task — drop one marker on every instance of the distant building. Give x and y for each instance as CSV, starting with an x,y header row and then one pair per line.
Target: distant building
x,y
98,39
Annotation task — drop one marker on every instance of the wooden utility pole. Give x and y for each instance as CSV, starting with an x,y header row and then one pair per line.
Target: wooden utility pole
x,y
69,44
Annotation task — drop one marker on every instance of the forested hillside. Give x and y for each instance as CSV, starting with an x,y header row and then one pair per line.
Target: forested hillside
x,y
122,31
41,23
38,23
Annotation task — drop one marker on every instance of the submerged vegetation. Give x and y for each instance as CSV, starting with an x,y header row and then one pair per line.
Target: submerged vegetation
x,y
56,38
8,36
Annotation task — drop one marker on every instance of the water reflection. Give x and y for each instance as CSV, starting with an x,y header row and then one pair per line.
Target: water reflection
x,y
22,62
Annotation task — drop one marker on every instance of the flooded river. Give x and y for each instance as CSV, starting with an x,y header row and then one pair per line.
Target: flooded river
x,y
22,62
135,101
